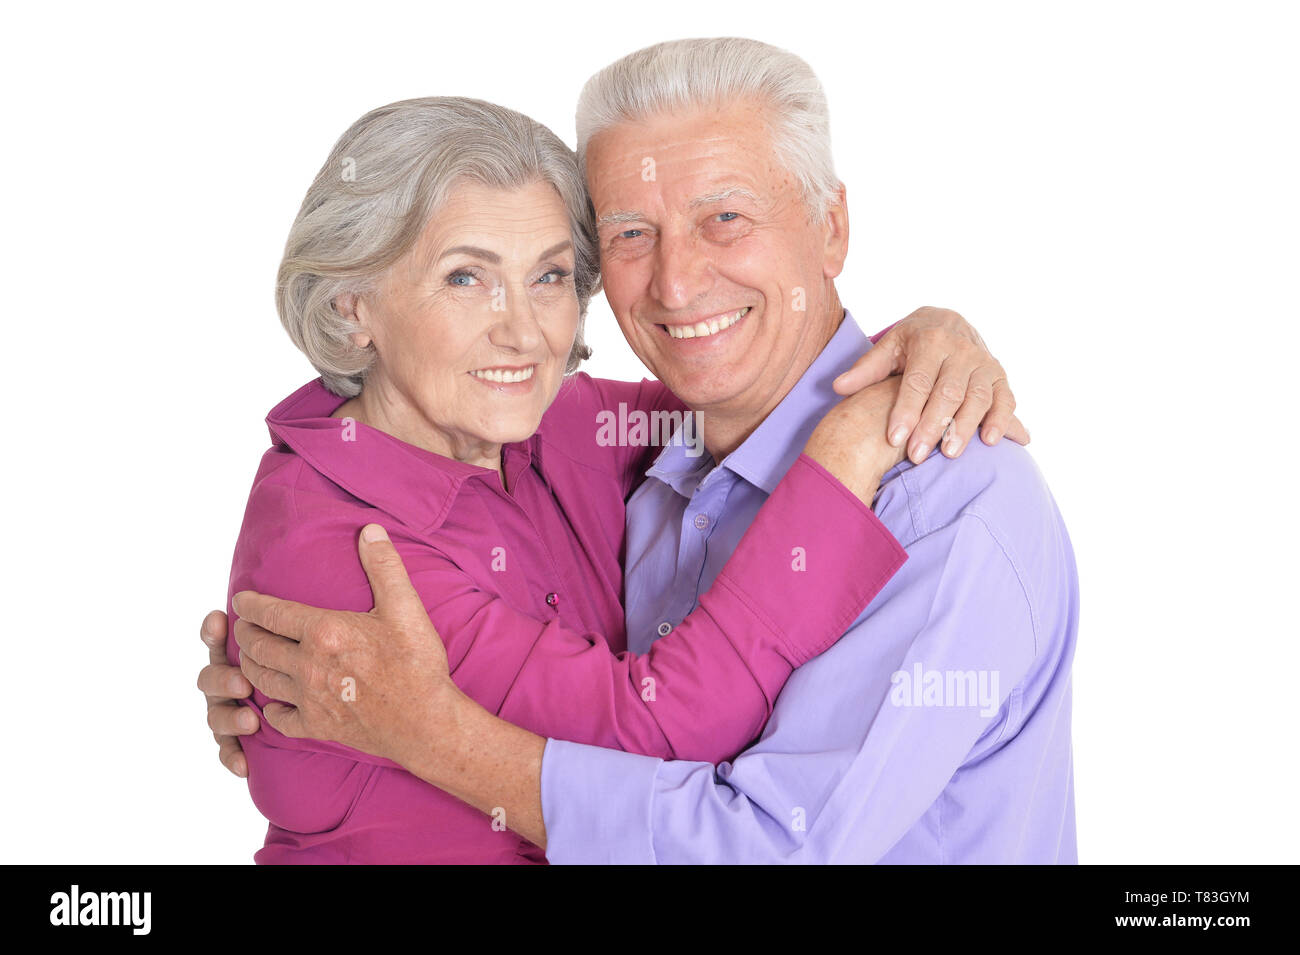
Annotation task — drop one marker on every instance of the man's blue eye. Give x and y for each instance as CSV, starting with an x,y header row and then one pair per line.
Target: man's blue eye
x,y
630,233
728,216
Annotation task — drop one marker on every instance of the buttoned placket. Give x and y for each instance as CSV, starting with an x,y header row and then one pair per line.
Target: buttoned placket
x,y
698,522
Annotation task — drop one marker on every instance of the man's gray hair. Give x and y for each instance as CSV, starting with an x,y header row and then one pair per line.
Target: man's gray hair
x,y
384,180
685,73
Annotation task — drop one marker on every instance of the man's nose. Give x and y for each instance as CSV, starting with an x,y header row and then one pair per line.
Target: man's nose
x,y
682,272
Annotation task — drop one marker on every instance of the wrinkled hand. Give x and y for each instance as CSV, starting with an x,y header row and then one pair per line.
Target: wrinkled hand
x,y
850,442
376,681
224,686
950,385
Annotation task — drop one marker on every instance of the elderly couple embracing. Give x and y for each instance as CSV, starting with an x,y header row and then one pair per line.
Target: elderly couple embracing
x,y
465,626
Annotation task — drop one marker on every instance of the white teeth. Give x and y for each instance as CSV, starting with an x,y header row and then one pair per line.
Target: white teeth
x,y
704,329
504,376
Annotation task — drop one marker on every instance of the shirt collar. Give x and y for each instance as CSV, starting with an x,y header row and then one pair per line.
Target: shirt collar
x,y
416,486
767,454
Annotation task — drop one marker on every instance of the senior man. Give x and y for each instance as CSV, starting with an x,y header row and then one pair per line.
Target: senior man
x,y
938,728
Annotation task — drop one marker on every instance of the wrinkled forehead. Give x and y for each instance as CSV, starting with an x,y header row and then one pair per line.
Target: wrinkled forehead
x,y
684,159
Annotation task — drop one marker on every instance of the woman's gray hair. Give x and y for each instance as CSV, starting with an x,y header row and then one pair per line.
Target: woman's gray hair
x,y
684,73
384,180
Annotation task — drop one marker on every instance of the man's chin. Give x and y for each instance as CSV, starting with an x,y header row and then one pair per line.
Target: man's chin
x,y
703,392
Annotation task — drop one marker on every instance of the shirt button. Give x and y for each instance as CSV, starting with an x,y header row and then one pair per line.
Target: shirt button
x,y
701,521
665,628
552,599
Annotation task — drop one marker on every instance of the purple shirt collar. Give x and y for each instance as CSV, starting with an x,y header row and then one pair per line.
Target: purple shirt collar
x,y
767,454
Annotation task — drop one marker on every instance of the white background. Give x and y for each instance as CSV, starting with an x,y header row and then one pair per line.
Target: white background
x,y
1108,191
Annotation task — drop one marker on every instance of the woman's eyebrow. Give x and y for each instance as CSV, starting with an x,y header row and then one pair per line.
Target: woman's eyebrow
x,y
555,249
492,258
474,251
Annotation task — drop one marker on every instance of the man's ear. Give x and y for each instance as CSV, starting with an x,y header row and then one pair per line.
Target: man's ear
x,y
836,226
350,306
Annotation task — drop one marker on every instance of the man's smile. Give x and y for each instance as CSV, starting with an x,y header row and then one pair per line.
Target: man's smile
x,y
706,327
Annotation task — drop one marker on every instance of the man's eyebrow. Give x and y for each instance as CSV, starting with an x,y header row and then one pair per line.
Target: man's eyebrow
x,y
735,192
618,218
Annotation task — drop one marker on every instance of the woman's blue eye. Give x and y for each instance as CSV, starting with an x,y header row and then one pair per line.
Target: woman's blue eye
x,y
558,273
455,278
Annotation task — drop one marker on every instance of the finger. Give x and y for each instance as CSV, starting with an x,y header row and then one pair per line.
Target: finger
x,y
940,408
221,681
918,382
979,397
395,597
232,719
881,360
998,419
1017,432
232,756
268,649
287,720
284,617
276,685
213,632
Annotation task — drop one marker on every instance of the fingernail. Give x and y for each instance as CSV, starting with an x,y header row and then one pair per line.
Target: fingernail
x,y
372,533
921,451
992,435
234,602
898,435
951,447
247,720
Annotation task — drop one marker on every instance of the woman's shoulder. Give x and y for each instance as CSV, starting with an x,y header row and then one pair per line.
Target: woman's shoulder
x,y
298,537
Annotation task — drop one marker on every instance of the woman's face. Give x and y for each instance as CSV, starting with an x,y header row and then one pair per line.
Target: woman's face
x,y
474,326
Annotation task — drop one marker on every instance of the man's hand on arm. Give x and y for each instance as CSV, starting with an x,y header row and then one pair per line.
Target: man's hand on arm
x,y
951,385
379,682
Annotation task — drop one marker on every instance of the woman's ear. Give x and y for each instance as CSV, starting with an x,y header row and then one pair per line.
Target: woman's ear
x,y
350,307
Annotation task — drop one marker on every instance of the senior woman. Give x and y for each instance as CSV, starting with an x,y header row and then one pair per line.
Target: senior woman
x,y
437,277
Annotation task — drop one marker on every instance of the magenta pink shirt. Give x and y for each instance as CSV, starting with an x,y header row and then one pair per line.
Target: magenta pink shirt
x,y
524,584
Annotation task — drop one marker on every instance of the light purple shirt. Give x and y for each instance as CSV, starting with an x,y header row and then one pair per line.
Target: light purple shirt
x,y
936,731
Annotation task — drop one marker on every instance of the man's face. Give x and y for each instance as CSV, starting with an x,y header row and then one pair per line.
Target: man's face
x,y
719,281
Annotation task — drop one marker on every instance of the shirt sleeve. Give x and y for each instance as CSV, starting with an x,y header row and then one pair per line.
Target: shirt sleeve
x,y
852,757
706,689
882,333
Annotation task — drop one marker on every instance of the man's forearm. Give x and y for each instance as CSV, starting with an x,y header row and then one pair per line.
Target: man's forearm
x,y
484,761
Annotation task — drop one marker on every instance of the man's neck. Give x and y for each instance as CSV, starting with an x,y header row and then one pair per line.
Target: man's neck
x,y
724,430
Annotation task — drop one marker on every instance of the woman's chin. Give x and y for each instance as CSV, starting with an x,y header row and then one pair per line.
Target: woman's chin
x,y
513,429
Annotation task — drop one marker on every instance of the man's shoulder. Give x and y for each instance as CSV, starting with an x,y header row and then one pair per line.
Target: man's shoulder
x,y
1001,485
999,494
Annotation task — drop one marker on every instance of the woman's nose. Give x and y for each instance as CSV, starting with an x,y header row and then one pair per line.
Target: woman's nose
x,y
516,326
